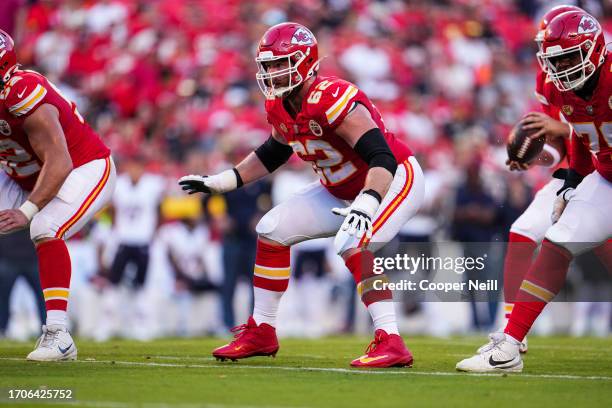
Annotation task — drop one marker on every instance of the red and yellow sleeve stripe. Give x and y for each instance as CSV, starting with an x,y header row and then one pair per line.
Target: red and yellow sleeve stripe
x,y
30,102
341,104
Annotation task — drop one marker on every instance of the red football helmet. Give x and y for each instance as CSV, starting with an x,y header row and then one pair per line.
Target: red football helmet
x,y
545,20
8,57
291,43
569,36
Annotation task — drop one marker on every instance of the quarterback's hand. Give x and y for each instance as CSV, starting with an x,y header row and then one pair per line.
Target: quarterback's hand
x,y
225,181
358,217
560,203
544,126
12,220
514,165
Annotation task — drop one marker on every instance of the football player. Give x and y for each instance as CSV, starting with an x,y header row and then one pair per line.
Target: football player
x,y
57,174
527,232
370,185
574,53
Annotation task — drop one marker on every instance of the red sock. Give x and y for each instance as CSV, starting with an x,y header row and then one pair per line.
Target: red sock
x,y
270,280
519,256
542,283
272,267
361,265
54,270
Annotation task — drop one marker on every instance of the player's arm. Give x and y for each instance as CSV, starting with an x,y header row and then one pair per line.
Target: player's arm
x,y
360,131
272,154
48,141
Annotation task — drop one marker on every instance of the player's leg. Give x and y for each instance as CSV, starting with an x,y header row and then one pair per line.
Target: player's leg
x,y
583,225
86,190
526,233
401,203
306,215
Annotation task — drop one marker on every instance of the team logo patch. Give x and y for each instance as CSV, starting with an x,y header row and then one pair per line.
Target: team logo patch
x,y
283,128
302,37
587,25
567,109
315,128
5,129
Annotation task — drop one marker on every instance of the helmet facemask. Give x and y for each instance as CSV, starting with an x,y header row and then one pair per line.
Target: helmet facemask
x,y
575,76
265,79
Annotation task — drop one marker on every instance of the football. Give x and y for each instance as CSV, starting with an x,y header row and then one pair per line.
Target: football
x,y
521,147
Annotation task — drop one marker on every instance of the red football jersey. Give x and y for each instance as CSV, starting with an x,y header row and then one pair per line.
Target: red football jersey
x,y
591,120
22,95
312,134
545,89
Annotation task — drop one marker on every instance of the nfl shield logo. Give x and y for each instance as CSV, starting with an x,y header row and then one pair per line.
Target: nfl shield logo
x,y
315,128
567,109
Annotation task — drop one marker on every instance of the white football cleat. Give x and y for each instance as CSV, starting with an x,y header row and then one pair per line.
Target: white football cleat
x,y
55,344
501,354
486,347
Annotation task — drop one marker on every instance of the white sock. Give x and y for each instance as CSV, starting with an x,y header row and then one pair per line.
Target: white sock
x,y
383,316
266,306
57,318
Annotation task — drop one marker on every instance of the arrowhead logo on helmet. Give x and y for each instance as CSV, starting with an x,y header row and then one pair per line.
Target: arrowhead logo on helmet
x,y
587,25
302,37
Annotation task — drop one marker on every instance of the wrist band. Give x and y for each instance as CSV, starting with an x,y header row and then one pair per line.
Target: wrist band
x,y
29,209
239,181
556,157
374,194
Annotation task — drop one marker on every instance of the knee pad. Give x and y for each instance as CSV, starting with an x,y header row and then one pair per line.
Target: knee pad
x,y
267,227
41,227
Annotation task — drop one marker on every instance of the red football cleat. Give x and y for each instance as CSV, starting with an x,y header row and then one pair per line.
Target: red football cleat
x,y
386,350
250,340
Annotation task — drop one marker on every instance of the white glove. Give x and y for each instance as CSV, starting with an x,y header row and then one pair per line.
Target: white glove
x,y
359,215
560,203
217,183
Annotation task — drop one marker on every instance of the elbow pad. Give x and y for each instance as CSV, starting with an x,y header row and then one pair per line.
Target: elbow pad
x,y
273,154
374,150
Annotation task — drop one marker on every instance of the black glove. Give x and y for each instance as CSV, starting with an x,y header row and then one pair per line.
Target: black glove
x,y
570,177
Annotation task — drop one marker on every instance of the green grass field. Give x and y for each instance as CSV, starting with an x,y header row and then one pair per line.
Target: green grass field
x,y
310,373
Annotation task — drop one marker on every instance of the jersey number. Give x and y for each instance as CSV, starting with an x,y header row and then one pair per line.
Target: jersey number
x,y
315,96
589,130
15,160
323,167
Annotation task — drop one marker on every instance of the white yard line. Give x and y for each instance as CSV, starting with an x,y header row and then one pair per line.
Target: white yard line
x,y
337,370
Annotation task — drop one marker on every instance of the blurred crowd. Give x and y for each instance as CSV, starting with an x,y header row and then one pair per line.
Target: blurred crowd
x,y
170,87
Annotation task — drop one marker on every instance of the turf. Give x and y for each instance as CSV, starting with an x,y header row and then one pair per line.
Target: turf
x,y
311,373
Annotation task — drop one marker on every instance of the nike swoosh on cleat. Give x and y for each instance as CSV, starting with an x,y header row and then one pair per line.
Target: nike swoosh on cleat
x,y
496,363
64,350
366,360
238,348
